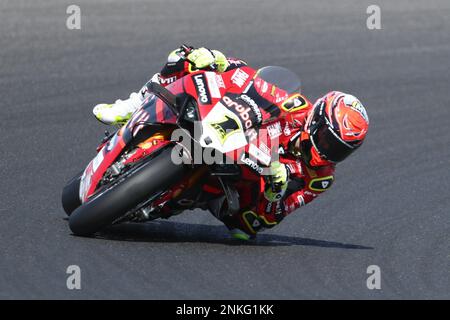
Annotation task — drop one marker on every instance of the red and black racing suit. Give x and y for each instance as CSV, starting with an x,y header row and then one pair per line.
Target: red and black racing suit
x,y
305,182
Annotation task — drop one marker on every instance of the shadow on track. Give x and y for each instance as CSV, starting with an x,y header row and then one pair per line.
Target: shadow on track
x,y
165,231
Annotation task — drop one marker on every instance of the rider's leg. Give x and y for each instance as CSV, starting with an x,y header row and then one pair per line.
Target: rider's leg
x,y
121,110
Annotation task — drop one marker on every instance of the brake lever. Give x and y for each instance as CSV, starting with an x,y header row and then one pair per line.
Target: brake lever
x,y
185,51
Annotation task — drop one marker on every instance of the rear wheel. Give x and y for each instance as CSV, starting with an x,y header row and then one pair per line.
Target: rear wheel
x,y
125,193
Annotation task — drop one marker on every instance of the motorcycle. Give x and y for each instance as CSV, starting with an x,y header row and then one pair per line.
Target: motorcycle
x,y
149,168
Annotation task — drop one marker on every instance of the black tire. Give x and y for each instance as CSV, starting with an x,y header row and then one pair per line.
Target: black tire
x,y
70,198
158,173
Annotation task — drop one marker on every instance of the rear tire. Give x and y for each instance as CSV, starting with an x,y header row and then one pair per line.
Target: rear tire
x,y
158,173
70,197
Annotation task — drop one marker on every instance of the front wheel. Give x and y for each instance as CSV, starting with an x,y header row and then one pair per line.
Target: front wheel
x,y
70,197
157,174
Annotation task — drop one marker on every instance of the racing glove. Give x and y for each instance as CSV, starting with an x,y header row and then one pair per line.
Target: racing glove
x,y
221,61
203,58
276,182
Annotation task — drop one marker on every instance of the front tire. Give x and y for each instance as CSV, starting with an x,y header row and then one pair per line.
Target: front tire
x,y
158,173
70,197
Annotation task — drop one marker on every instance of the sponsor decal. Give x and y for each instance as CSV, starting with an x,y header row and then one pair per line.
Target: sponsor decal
x,y
243,112
252,164
239,77
264,87
279,98
234,61
274,130
287,130
281,150
219,80
321,184
294,103
97,160
269,207
253,105
202,89
225,128
260,155
167,80
301,200
213,85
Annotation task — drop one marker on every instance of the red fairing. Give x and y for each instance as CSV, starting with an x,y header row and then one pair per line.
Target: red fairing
x,y
210,87
97,167
269,91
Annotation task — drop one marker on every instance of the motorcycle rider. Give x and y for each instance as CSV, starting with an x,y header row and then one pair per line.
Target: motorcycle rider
x,y
313,138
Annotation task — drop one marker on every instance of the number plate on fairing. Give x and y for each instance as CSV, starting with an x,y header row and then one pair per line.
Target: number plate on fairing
x,y
222,130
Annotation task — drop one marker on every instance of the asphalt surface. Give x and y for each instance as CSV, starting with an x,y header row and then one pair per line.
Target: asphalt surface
x,y
388,207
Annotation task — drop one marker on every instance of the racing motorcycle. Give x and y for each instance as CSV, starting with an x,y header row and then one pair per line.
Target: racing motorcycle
x,y
148,168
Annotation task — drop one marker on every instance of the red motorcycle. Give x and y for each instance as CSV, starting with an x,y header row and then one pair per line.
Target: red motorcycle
x,y
192,144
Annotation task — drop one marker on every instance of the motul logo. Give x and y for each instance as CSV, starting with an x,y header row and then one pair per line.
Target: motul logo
x,y
168,80
243,112
202,91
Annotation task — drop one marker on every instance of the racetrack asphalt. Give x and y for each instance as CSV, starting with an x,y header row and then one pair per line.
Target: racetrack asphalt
x,y
389,205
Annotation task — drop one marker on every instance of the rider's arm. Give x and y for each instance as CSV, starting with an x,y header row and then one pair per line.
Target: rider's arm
x,y
303,187
176,67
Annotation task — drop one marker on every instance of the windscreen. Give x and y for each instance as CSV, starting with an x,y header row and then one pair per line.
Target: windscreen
x,y
281,77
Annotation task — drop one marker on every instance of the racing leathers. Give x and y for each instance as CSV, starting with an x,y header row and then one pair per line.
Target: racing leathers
x,y
305,181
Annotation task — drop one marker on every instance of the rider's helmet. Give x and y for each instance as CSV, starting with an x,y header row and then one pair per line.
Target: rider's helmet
x,y
335,127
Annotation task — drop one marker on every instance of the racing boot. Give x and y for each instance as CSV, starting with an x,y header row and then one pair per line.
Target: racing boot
x,y
120,111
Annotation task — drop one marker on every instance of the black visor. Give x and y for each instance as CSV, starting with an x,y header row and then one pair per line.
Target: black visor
x,y
325,138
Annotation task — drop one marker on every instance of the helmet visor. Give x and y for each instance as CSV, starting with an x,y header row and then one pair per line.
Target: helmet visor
x,y
326,141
